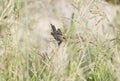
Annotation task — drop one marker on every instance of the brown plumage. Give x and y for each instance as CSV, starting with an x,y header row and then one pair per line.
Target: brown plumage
x,y
57,34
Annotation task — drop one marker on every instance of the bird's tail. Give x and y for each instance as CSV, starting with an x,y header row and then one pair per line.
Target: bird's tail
x,y
53,27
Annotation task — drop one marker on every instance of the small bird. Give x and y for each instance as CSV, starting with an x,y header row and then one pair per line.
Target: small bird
x,y
57,34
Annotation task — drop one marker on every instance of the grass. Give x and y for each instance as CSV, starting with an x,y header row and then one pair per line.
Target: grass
x,y
83,56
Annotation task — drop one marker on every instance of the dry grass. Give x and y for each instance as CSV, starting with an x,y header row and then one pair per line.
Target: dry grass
x,y
90,51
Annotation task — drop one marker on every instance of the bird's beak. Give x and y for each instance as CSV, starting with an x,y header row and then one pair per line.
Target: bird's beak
x,y
63,39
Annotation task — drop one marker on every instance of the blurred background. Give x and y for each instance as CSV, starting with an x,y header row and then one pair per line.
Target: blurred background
x,y
90,52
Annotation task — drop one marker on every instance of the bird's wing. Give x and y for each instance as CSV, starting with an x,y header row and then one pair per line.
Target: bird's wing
x,y
59,32
53,27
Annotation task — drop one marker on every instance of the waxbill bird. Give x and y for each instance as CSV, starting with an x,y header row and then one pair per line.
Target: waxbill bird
x,y
57,34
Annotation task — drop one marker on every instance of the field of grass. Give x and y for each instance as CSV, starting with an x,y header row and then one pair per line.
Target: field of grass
x,y
85,55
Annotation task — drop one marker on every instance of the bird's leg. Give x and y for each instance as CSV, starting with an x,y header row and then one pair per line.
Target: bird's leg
x,y
59,42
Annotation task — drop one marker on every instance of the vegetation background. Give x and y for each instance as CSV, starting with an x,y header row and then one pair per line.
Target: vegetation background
x,y
90,52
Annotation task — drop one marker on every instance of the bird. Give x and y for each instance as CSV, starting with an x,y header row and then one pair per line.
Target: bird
x,y
57,34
